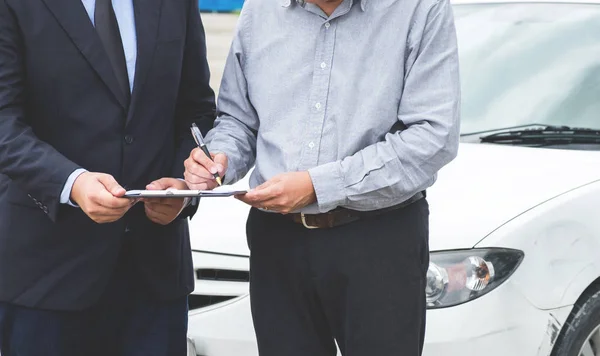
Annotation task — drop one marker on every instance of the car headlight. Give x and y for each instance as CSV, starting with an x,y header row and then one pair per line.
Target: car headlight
x,y
456,277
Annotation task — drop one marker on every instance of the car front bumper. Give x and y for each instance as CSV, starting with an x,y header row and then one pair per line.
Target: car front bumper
x,y
224,330
499,323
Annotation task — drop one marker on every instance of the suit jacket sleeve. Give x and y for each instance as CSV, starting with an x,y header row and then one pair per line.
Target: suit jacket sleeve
x,y
35,166
196,101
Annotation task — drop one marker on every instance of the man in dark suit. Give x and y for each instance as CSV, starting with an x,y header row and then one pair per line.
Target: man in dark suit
x,y
97,97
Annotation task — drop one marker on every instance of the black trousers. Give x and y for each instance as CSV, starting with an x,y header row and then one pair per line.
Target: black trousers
x,y
125,322
361,284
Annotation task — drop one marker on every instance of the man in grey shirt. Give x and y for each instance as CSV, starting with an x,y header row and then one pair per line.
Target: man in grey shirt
x,y
347,109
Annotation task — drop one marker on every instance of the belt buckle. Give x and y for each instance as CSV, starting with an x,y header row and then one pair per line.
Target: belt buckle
x,y
303,218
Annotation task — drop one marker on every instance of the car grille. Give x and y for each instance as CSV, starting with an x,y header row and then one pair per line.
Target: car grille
x,y
206,297
203,301
222,275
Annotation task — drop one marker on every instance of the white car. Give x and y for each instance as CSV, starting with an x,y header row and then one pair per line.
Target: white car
x,y
515,219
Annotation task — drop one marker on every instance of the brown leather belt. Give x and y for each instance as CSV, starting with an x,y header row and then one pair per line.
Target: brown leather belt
x,y
342,216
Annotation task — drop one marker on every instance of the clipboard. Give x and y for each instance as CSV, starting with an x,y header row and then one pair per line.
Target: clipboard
x,y
173,193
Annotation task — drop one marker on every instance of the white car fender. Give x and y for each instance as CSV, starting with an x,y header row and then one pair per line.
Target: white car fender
x,y
561,242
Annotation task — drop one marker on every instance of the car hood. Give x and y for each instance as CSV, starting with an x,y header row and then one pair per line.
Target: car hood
x,y
483,188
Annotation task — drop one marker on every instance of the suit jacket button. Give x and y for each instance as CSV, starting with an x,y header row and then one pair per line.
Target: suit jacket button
x,y
128,139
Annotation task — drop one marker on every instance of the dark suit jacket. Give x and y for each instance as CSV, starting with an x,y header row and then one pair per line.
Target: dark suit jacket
x,y
60,110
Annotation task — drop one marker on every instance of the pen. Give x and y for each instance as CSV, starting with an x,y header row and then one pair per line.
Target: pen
x,y
200,142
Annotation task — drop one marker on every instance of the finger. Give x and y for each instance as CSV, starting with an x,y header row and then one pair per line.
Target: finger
x,y
259,196
243,198
166,205
197,177
196,169
166,183
156,212
111,185
221,162
103,215
153,217
266,184
195,182
162,203
153,201
157,185
108,201
201,158
135,201
157,216
271,204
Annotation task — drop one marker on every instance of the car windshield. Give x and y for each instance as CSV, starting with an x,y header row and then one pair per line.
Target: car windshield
x,y
524,63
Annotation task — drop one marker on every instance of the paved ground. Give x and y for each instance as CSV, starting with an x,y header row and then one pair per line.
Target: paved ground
x,y
219,30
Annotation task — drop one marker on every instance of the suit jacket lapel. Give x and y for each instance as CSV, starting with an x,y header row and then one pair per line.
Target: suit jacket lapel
x,y
147,18
74,20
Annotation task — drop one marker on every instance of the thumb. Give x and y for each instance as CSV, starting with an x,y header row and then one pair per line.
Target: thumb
x,y
203,160
221,163
266,184
111,185
160,184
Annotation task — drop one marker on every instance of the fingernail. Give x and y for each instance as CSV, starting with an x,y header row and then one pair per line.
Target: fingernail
x,y
214,170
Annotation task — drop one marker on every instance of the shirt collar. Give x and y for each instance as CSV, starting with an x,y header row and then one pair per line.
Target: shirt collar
x,y
287,3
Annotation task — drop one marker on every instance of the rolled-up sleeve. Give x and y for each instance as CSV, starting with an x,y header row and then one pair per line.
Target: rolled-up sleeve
x,y
237,122
406,161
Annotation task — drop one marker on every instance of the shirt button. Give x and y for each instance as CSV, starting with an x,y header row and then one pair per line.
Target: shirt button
x,y
327,24
318,106
311,145
128,139
323,65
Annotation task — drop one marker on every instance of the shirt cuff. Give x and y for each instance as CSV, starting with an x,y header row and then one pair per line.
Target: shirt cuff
x,y
65,195
329,186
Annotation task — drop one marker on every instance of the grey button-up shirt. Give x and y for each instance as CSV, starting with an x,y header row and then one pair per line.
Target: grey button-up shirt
x,y
366,100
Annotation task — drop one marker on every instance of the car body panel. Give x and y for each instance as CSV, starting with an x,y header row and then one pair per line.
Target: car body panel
x,y
561,240
226,330
491,184
509,316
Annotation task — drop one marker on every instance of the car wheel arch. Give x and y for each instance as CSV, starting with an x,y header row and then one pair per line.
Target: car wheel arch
x,y
593,289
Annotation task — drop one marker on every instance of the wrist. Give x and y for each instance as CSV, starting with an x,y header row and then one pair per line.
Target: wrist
x,y
311,195
74,196
329,186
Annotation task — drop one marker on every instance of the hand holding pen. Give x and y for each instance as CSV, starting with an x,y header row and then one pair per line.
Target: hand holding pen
x,y
202,168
